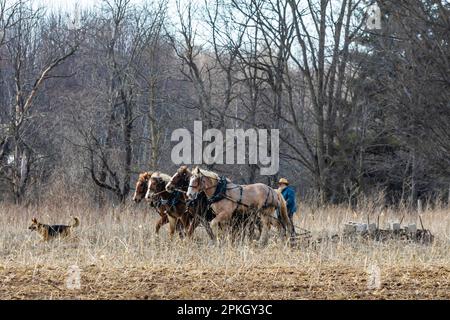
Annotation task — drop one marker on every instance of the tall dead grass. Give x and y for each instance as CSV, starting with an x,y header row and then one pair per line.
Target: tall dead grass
x,y
117,237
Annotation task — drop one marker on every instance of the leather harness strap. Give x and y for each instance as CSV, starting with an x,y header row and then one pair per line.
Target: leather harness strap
x,y
240,190
239,202
267,198
220,192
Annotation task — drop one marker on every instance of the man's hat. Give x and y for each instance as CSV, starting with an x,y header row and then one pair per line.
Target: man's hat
x,y
283,180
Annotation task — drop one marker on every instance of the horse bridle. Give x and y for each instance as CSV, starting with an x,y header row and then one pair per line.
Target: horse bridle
x,y
203,188
155,193
182,181
192,186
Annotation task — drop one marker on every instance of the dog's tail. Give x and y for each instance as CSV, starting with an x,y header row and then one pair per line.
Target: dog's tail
x,y
76,222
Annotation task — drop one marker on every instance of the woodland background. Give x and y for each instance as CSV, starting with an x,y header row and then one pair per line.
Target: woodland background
x,y
90,97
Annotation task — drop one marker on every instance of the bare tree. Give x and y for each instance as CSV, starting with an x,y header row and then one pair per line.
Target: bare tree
x,y
29,72
323,63
83,108
127,35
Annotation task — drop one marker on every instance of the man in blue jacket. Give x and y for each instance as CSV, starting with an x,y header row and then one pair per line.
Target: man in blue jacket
x,y
288,195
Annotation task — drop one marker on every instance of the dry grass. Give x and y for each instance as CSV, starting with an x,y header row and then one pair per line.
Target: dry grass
x,y
121,257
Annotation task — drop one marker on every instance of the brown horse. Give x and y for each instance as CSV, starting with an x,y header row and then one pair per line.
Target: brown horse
x,y
173,203
139,194
141,186
197,208
228,199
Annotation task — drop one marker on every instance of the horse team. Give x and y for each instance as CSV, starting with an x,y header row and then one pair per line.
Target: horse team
x,y
193,197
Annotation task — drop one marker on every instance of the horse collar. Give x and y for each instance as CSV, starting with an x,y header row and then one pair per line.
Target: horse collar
x,y
220,192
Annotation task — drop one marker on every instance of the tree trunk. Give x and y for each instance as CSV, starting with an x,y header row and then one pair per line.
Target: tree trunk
x,y
127,127
153,126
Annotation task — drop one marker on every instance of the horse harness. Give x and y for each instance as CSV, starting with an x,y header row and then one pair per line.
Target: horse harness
x,y
220,192
267,197
174,199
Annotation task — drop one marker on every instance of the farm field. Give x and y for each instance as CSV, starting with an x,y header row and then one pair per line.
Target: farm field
x,y
330,282
119,118
120,257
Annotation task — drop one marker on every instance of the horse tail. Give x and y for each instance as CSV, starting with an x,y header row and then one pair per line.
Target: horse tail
x,y
284,212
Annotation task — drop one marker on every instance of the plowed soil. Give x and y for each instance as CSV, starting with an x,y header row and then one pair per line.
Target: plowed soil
x,y
263,283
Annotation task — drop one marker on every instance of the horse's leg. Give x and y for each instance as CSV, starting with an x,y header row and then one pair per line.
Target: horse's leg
x,y
277,223
172,226
180,227
258,224
256,228
208,228
195,221
241,233
282,230
265,220
249,231
246,228
161,221
185,222
236,229
232,228
222,216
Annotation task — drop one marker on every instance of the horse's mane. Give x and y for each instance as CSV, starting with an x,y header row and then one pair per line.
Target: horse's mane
x,y
183,169
206,173
144,176
163,176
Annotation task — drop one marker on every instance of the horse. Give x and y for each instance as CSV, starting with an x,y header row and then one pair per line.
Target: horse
x,y
139,194
228,199
198,207
141,186
202,213
173,203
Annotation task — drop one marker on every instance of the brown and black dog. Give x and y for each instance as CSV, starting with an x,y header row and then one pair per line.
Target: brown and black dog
x,y
49,232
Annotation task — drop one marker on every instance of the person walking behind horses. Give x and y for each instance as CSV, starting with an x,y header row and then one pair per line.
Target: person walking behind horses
x,y
289,196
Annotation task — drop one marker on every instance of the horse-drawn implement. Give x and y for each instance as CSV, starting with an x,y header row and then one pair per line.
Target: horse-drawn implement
x,y
192,198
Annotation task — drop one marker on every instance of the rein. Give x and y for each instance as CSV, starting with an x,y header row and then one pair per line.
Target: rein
x,y
173,199
155,194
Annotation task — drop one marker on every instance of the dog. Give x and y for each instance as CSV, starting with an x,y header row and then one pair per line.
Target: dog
x,y
49,232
